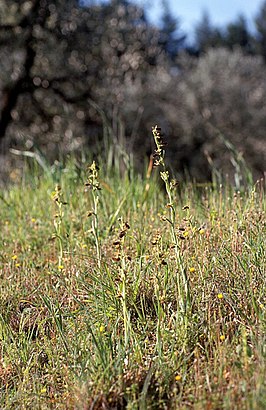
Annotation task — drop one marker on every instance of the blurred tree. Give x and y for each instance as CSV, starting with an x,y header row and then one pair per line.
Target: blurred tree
x,y
237,34
260,22
36,39
66,69
206,35
222,94
171,40
56,57
16,26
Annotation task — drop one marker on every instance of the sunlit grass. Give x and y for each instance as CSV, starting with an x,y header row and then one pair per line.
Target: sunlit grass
x,y
90,293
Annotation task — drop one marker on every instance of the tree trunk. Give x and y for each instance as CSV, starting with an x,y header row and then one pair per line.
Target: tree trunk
x,y
24,83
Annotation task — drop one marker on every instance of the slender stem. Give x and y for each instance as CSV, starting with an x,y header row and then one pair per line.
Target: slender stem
x,y
182,280
94,185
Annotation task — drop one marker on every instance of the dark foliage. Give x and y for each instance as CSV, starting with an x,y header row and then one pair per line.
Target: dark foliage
x,y
74,74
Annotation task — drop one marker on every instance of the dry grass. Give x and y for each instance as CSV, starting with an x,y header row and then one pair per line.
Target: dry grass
x,y
94,313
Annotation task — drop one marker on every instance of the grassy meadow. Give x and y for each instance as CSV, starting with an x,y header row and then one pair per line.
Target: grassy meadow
x,y
129,291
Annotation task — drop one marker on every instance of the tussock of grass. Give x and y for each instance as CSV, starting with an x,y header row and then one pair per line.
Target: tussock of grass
x,y
90,312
